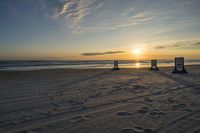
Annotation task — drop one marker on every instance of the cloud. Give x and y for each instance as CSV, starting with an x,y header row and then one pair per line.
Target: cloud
x,y
197,44
179,44
127,12
121,23
75,10
103,53
134,20
75,15
168,46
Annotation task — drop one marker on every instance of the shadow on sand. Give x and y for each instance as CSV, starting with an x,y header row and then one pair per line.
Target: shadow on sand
x,y
179,78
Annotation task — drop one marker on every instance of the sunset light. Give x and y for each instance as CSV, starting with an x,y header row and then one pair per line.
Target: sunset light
x,y
137,51
100,66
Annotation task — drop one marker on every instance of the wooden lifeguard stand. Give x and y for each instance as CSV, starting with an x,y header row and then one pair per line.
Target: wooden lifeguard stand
x,y
154,65
115,66
179,65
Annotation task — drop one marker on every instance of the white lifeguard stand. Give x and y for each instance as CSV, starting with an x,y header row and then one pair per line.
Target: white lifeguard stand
x,y
115,66
154,65
179,65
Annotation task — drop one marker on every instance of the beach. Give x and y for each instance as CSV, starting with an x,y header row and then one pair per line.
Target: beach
x,y
133,100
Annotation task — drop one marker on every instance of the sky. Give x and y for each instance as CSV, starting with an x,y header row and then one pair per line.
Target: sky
x,y
99,29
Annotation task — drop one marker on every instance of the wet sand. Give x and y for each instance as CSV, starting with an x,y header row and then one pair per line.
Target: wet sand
x,y
100,101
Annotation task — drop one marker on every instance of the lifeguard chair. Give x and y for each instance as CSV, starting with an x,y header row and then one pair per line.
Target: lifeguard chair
x,y
154,65
115,66
179,65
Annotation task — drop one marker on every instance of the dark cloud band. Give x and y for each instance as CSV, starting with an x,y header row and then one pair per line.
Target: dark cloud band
x,y
103,53
179,44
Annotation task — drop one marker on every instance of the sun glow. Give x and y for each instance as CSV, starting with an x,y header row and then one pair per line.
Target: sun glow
x,y
137,51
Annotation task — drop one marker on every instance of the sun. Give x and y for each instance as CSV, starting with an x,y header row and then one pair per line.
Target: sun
x,y
137,51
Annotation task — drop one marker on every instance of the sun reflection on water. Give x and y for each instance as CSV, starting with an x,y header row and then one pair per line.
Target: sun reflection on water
x,y
137,65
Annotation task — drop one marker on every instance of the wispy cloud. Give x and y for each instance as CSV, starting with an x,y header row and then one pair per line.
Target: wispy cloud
x,y
123,22
197,44
179,44
102,53
135,19
75,10
168,46
127,12
76,15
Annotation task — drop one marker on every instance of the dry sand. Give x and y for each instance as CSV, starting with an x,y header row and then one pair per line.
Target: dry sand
x,y
100,101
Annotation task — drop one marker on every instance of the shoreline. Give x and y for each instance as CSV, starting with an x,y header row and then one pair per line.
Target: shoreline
x,y
57,69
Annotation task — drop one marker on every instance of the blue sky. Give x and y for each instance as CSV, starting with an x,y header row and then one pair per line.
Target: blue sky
x,y
66,29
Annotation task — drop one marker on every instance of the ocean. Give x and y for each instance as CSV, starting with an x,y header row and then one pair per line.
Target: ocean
x,y
21,65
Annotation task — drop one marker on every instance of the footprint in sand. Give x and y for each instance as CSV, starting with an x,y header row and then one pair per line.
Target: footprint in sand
x,y
149,131
94,95
80,118
124,113
128,130
143,110
36,130
178,106
171,100
75,102
147,99
137,130
132,130
151,112
156,113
